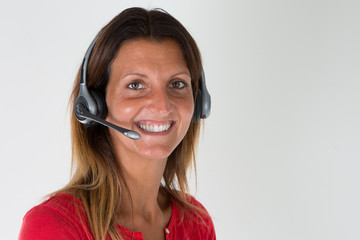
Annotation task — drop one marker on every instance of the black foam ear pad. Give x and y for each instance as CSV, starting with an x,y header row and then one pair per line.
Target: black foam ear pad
x,y
101,108
100,103
198,106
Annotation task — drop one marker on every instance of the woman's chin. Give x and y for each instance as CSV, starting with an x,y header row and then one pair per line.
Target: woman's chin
x,y
156,152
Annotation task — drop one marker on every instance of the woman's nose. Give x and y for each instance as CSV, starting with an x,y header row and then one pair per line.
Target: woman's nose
x,y
160,102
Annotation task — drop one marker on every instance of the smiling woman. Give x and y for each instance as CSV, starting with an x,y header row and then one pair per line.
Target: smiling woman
x,y
144,73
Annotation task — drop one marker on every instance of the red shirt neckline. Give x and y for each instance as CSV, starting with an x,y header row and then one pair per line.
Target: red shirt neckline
x,y
174,214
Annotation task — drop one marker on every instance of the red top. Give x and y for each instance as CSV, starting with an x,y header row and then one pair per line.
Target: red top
x,y
57,218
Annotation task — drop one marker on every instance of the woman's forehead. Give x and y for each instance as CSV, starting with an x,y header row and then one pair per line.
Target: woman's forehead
x,y
141,55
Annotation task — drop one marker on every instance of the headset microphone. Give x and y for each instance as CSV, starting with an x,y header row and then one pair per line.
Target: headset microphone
x,y
82,112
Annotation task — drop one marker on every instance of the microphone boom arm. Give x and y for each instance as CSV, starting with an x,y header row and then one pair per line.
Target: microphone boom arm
x,y
81,111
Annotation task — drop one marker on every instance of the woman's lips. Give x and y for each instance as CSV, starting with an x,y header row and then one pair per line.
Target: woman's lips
x,y
155,127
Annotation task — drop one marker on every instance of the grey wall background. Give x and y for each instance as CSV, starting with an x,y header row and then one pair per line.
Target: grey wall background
x,y
279,158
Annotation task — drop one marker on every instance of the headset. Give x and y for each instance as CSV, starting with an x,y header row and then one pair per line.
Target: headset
x,y
90,107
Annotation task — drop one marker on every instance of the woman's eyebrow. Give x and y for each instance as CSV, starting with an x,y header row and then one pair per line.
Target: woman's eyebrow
x,y
134,74
181,73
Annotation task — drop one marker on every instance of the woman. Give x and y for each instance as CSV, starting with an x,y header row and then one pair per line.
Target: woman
x,y
142,72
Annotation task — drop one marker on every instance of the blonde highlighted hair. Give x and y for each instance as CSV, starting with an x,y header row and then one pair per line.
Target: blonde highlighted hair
x,y
97,179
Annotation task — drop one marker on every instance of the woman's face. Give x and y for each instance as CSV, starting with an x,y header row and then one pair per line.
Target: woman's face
x,y
149,91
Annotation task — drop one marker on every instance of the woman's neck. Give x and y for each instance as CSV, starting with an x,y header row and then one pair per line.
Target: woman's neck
x,y
144,200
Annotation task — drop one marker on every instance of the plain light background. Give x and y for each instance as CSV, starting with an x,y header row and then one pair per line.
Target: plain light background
x,y
279,157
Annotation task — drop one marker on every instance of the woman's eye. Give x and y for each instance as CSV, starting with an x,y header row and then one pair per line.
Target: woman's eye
x,y
178,84
135,86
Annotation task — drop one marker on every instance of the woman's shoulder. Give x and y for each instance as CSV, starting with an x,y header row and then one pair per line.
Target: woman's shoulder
x,y
202,211
59,207
196,224
191,199
59,217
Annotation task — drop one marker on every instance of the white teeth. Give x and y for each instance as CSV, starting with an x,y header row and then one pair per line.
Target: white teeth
x,y
155,128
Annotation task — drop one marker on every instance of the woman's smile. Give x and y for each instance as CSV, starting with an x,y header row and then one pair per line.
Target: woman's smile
x,y
155,127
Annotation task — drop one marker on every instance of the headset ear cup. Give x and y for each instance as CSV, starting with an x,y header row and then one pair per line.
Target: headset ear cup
x,y
100,103
80,101
198,106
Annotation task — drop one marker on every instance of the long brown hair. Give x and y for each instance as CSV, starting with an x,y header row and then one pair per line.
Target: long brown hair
x,y
98,180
